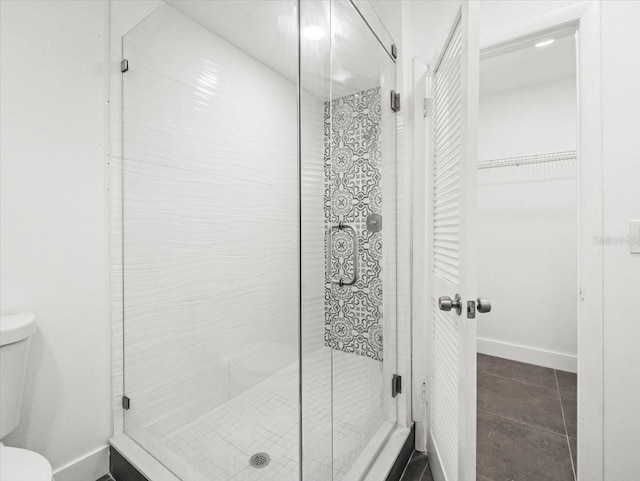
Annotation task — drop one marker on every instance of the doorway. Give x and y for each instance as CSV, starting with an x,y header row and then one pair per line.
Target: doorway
x,y
527,248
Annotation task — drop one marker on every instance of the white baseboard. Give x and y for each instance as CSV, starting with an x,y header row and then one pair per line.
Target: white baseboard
x,y
530,355
437,471
90,467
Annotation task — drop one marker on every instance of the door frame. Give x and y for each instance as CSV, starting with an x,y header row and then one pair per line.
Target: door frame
x,y
585,18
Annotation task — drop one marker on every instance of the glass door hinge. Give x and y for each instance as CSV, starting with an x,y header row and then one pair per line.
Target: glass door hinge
x,y
396,385
126,402
395,101
124,65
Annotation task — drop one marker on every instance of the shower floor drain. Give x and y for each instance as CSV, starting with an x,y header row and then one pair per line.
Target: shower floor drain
x,y
259,460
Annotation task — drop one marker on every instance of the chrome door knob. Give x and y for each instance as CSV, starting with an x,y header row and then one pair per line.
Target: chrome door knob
x,y
445,303
484,305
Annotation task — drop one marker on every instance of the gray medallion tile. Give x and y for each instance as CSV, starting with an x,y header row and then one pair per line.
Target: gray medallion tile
x,y
353,320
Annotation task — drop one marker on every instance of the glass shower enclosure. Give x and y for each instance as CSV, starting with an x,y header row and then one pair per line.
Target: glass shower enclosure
x,y
259,239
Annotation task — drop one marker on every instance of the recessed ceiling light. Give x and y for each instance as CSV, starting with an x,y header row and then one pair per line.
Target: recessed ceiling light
x,y
544,43
313,32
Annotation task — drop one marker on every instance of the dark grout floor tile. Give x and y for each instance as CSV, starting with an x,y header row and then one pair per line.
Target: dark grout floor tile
x,y
567,383
511,450
427,476
518,371
521,402
570,410
573,444
415,467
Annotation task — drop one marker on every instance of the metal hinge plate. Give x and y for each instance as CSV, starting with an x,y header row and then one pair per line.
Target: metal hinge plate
x,y
396,385
395,101
427,107
124,65
126,402
394,50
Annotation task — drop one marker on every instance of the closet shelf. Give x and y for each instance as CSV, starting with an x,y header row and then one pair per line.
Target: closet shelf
x,y
527,159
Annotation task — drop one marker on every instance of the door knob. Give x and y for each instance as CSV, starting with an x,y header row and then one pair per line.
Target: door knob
x,y
484,305
445,303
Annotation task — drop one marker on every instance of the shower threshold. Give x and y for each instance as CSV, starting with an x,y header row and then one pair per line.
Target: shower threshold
x,y
264,419
152,470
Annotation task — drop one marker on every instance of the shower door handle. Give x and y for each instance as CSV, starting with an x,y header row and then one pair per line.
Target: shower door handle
x,y
341,282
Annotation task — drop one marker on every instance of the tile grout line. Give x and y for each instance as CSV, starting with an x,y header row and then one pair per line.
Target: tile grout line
x,y
426,466
423,471
523,423
407,466
517,380
566,432
404,471
422,476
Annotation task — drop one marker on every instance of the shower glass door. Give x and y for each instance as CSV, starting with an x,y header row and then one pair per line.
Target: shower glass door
x,y
210,233
349,262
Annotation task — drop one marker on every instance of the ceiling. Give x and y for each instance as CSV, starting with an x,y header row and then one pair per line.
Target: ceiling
x,y
528,66
266,30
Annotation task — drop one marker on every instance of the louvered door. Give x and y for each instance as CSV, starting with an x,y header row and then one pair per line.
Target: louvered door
x,y
452,426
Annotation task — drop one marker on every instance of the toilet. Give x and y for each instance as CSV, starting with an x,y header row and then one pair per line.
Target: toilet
x,y
15,337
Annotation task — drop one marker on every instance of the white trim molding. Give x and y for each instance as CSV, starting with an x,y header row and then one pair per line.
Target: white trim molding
x,y
590,256
88,467
528,354
530,28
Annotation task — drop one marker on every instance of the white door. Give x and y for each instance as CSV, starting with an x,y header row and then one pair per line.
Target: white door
x,y
451,177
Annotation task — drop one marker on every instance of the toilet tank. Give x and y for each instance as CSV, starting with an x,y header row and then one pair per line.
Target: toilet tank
x,y
15,337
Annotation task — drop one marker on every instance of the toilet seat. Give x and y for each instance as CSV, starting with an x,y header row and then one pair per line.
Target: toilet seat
x,y
23,465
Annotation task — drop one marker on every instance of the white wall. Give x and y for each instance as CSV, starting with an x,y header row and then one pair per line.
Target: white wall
x,y
621,181
527,226
526,121
54,229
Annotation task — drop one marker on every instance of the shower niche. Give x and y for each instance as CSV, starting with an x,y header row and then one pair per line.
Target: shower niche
x,y
259,239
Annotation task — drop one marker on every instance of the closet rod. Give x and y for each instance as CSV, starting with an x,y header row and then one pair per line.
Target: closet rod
x,y
527,159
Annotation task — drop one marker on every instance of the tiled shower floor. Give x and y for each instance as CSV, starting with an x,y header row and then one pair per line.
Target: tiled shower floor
x,y
218,444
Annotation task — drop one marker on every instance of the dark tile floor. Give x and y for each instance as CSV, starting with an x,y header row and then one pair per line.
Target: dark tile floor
x,y
106,477
526,422
417,468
